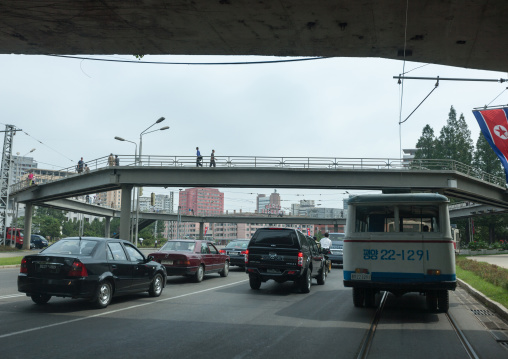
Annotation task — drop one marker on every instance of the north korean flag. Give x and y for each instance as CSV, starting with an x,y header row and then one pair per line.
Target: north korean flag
x,y
494,126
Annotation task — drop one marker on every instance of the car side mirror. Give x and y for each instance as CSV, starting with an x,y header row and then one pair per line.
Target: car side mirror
x,y
150,258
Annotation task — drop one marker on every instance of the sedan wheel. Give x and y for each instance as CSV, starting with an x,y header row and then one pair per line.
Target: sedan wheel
x,y
104,295
156,286
225,271
200,273
40,298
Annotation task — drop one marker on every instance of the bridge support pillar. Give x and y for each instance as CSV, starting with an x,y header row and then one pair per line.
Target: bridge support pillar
x,y
201,230
107,233
335,227
125,212
28,225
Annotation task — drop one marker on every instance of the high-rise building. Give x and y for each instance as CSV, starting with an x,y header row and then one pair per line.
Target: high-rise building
x,y
270,204
201,201
20,166
112,199
163,203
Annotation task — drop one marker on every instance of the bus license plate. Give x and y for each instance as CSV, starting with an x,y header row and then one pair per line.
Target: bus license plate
x,y
360,276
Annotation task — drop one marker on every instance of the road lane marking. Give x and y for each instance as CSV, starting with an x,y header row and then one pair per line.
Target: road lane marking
x,y
116,310
12,296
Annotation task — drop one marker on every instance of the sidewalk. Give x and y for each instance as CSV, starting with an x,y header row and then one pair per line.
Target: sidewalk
x,y
500,260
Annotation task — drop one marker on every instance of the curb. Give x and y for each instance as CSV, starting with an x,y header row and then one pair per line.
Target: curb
x,y
498,308
10,266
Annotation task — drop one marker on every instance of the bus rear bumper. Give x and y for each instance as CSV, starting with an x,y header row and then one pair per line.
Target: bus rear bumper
x,y
406,286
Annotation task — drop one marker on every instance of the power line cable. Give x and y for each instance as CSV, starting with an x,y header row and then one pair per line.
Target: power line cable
x,y
42,143
191,63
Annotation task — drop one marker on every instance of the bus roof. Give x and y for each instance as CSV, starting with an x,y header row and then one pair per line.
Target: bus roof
x,y
410,198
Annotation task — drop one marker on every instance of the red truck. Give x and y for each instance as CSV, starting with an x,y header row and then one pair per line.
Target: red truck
x,y
15,235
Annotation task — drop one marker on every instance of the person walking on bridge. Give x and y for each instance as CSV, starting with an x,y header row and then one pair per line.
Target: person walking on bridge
x,y
117,160
199,158
212,159
80,166
111,160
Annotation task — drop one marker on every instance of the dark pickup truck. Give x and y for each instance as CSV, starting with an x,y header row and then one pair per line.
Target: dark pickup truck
x,y
284,254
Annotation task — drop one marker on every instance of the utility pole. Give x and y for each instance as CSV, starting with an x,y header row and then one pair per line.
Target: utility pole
x,y
5,180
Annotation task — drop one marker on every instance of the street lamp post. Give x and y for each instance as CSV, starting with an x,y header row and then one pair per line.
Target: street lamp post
x,y
139,162
133,190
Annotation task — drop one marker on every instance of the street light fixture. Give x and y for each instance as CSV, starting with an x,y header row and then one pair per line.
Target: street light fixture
x,y
140,162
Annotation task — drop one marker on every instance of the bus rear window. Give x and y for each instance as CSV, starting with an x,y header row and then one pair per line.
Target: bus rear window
x,y
408,218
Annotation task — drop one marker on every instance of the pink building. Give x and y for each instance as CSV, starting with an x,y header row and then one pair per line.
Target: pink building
x,y
201,201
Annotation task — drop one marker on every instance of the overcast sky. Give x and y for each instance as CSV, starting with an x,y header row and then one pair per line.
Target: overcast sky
x,y
340,107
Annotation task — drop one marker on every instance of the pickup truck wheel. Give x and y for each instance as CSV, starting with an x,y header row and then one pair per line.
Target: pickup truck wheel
x,y
200,273
40,298
322,276
255,282
306,281
358,297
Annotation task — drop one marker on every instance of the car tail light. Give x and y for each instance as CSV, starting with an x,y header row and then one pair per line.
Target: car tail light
x,y
300,259
78,270
246,256
222,251
243,252
23,268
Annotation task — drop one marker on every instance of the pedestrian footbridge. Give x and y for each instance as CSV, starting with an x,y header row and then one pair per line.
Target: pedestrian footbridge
x,y
450,178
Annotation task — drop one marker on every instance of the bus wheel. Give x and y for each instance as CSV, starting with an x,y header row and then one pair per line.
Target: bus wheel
x,y
442,301
431,299
370,298
358,297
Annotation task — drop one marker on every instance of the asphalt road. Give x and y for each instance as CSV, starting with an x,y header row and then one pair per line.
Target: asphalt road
x,y
224,318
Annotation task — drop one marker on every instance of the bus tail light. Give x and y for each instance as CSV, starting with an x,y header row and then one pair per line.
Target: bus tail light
x,y
362,270
433,272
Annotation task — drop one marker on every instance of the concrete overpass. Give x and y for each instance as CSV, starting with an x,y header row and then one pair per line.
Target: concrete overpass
x,y
466,184
450,32
109,213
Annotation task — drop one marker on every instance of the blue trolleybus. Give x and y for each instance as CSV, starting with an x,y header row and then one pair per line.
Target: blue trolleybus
x,y
399,243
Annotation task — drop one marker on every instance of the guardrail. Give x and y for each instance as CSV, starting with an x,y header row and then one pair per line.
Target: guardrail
x,y
333,163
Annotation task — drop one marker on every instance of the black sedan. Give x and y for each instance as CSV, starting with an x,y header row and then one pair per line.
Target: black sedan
x,y
236,251
92,268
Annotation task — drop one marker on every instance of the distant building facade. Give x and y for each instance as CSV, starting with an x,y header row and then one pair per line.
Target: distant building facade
x,y
201,202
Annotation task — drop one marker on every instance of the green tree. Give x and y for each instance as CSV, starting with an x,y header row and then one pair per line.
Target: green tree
x,y
485,158
426,145
454,142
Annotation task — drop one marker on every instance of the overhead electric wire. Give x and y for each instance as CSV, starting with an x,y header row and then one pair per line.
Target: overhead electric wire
x,y
190,63
42,143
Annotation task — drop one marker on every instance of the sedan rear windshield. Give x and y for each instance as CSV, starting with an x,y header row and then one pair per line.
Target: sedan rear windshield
x,y
72,246
337,245
238,244
277,237
179,246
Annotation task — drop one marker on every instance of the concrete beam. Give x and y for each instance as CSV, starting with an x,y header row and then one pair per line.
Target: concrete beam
x,y
28,225
452,183
333,28
125,212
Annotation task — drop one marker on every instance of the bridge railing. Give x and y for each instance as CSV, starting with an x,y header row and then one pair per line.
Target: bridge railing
x,y
329,163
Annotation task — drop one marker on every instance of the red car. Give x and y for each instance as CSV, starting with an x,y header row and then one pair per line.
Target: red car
x,y
192,258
